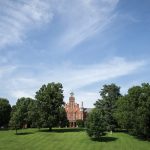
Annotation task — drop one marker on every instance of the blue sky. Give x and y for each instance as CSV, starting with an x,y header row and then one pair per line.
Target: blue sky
x,y
83,44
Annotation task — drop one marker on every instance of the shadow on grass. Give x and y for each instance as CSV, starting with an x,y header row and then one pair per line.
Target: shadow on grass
x,y
62,130
140,138
4,129
121,131
25,133
105,139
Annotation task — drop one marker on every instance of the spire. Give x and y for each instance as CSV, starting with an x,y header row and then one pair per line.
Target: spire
x,y
81,108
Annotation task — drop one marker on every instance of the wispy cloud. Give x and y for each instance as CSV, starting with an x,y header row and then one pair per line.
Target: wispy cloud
x,y
4,70
72,77
20,93
85,75
84,18
17,17
79,19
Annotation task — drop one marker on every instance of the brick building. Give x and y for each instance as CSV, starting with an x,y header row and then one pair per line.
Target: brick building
x,y
74,111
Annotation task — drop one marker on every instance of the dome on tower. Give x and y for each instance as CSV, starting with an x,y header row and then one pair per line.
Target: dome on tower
x,y
71,98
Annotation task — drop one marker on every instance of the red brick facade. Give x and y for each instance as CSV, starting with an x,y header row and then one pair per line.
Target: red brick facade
x,y
74,111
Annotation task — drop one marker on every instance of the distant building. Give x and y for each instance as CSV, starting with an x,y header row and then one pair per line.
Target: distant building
x,y
74,111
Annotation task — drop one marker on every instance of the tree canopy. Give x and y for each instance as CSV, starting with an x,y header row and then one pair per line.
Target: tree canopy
x,y
5,110
133,110
22,113
109,95
50,100
96,123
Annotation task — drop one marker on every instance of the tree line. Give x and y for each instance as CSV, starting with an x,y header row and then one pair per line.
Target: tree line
x,y
113,111
45,111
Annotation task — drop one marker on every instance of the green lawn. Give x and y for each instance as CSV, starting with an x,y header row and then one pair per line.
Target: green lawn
x,y
67,139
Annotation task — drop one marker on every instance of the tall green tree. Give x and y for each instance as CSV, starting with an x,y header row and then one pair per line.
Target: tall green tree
x,y
123,113
133,110
50,100
21,115
15,120
5,110
96,123
109,95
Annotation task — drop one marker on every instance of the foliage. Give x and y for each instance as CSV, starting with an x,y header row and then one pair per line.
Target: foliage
x,y
22,113
122,113
5,110
133,111
80,123
96,123
33,113
63,121
50,100
109,95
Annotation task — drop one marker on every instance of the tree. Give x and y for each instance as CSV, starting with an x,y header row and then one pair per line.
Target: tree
x,y
123,113
109,95
80,123
21,116
15,120
133,111
96,123
63,121
33,114
5,110
50,100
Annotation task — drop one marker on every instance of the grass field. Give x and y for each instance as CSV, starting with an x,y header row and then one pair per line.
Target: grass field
x,y
67,139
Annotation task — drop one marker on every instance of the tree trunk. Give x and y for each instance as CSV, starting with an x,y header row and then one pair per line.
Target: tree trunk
x,y
16,131
50,128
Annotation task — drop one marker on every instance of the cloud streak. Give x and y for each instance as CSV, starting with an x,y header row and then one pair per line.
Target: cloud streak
x,y
72,77
87,75
17,17
79,19
84,19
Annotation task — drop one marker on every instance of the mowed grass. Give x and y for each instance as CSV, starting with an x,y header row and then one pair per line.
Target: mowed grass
x,y
67,139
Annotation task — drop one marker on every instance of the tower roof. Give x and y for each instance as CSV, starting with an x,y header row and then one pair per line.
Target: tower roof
x,y
71,98
71,94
